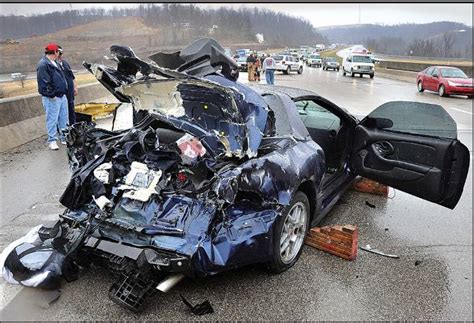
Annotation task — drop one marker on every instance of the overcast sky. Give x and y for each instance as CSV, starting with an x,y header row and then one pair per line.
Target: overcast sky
x,y
318,14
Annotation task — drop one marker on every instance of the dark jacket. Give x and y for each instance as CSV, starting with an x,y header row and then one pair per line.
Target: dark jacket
x,y
66,68
51,80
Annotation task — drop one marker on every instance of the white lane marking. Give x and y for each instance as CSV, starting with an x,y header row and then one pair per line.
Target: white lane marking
x,y
461,111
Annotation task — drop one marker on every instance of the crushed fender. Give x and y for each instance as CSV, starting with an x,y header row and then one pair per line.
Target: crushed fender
x,y
195,187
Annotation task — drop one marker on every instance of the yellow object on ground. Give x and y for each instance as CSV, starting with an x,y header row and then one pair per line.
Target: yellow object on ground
x,y
96,110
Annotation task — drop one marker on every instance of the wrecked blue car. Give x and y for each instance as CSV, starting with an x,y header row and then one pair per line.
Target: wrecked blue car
x,y
215,175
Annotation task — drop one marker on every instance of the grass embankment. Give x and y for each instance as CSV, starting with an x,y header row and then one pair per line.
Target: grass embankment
x,y
14,88
332,53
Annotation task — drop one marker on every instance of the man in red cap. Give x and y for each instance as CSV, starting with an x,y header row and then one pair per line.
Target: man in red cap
x,y
52,86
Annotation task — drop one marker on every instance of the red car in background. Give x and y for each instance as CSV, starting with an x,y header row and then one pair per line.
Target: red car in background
x,y
445,80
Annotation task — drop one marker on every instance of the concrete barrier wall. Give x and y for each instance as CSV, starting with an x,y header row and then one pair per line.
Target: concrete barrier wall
x,y
417,67
399,75
22,118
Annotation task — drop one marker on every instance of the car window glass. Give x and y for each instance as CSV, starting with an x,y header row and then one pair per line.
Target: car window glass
x,y
417,118
287,121
361,59
429,71
453,73
315,116
435,72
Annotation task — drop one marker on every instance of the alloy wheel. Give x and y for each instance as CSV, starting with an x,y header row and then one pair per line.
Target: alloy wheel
x,y
293,232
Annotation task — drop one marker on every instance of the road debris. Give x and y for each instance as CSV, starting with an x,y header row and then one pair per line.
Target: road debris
x,y
418,262
378,252
198,309
366,185
338,240
369,204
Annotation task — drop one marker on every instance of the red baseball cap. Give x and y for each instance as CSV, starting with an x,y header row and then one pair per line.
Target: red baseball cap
x,y
51,47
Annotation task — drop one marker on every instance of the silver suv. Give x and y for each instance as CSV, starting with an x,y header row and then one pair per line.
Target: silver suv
x,y
287,63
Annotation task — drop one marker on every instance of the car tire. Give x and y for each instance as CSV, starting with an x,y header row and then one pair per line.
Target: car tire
x,y
371,76
361,75
287,71
300,70
284,258
420,87
343,72
442,91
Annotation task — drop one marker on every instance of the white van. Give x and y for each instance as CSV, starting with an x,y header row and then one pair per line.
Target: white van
x,y
358,64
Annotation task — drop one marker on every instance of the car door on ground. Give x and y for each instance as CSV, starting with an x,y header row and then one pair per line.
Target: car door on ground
x,y
412,147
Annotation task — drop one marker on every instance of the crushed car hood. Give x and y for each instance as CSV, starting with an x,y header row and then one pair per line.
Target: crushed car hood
x,y
233,115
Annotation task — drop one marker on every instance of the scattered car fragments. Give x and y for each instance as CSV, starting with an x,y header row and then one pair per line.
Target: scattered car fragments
x,y
378,252
338,240
198,309
215,175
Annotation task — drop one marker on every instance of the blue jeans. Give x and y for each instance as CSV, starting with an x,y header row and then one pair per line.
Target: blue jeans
x,y
56,116
270,76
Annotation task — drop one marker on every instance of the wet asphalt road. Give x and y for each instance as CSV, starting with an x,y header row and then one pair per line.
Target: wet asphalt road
x,y
320,286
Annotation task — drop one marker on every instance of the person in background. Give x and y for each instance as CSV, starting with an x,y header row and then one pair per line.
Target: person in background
x,y
251,67
71,85
258,67
269,68
52,86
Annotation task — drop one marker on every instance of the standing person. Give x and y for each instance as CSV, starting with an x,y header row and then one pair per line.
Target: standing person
x,y
251,67
71,85
269,67
53,88
257,68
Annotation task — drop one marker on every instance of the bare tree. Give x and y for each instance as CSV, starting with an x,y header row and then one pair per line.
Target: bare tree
x,y
447,43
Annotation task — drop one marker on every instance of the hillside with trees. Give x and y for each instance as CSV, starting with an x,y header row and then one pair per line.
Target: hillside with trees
x,y
438,39
189,21
87,34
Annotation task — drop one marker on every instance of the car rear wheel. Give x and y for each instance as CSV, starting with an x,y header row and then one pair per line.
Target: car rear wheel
x,y
441,91
289,234
300,70
420,86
